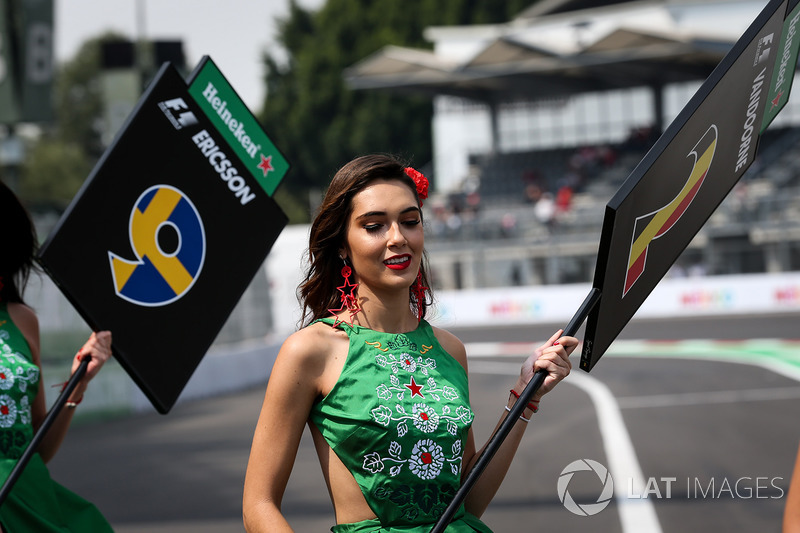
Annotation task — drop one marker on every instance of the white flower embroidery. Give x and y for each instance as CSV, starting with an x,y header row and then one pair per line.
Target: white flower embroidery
x,y
25,410
8,411
407,363
6,378
426,459
425,418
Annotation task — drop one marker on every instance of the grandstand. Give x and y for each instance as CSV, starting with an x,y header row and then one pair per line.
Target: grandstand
x,y
538,122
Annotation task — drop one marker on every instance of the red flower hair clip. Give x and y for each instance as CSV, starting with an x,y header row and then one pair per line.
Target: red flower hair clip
x,y
421,182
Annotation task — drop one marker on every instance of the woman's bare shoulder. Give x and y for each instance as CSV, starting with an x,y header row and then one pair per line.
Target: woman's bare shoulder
x,y
24,318
451,345
312,344
21,314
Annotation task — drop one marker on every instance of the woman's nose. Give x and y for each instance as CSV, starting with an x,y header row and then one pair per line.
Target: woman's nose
x,y
396,236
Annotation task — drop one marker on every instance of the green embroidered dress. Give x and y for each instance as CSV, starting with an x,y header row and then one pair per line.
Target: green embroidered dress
x,y
36,503
398,419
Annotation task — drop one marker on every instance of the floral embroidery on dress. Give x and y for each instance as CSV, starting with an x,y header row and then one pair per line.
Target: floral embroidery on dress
x,y
385,391
426,461
400,342
384,416
406,362
426,419
28,376
6,378
13,443
401,422
427,458
8,411
16,373
25,374
431,499
25,410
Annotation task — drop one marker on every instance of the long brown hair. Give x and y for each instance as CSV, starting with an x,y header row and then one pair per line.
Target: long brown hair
x,y
318,291
19,246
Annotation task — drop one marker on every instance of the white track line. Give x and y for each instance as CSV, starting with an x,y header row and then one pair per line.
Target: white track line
x,y
700,398
636,515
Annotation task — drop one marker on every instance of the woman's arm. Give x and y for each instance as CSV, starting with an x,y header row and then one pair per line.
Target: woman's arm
x,y
552,357
291,391
98,346
791,513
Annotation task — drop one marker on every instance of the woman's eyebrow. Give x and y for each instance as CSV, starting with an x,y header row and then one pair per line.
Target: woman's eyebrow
x,y
383,213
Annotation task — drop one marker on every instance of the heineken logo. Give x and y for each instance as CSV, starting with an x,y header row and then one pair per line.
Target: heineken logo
x,y
783,70
238,127
234,125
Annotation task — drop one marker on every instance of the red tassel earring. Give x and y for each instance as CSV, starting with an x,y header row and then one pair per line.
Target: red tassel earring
x,y
347,297
419,290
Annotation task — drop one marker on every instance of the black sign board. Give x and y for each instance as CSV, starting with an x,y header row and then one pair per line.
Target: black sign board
x,y
689,171
165,235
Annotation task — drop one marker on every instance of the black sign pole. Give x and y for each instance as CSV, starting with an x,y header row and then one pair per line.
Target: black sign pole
x,y
745,69
43,429
502,432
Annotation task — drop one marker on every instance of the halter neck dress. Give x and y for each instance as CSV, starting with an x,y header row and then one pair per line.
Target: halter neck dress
x,y
36,503
398,419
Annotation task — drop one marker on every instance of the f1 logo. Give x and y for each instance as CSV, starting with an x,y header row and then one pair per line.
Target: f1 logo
x,y
178,113
168,238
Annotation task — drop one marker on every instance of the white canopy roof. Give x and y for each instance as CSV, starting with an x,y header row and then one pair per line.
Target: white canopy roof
x,y
546,52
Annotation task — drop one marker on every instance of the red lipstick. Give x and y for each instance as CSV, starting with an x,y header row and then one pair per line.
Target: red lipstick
x,y
398,262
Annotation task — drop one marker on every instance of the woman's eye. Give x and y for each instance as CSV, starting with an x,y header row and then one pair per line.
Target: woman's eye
x,y
413,222
372,227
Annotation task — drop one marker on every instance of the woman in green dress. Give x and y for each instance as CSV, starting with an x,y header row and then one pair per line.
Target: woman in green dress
x,y
384,393
36,503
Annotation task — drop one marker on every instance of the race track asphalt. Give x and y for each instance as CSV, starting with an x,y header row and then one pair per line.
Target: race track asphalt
x,y
698,423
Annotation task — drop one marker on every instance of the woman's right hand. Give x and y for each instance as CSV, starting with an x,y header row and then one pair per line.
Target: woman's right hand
x,y
98,346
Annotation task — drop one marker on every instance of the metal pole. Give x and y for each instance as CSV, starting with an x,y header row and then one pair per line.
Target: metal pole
x,y
48,421
505,428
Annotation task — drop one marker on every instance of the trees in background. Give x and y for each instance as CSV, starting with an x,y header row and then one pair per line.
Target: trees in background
x,y
309,112
58,162
316,120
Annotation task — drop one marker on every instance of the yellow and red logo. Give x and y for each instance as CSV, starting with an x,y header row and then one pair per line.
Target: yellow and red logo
x,y
659,222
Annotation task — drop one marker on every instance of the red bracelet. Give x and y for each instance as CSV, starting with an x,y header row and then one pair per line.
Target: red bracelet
x,y
73,405
64,386
533,407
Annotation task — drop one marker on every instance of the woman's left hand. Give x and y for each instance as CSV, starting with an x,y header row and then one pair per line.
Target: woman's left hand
x,y
551,357
99,347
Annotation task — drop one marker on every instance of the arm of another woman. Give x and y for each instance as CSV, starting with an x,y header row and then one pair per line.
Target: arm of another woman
x,y
98,346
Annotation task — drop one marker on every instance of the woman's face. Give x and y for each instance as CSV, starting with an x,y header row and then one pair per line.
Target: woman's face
x,y
384,238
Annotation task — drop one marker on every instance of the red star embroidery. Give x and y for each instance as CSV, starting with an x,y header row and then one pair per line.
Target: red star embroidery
x,y
414,388
776,101
266,164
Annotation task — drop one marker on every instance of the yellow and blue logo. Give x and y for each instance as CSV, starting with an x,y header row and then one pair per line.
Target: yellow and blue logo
x,y
168,238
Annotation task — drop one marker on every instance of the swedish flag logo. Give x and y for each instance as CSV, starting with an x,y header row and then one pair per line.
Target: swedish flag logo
x,y
167,236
